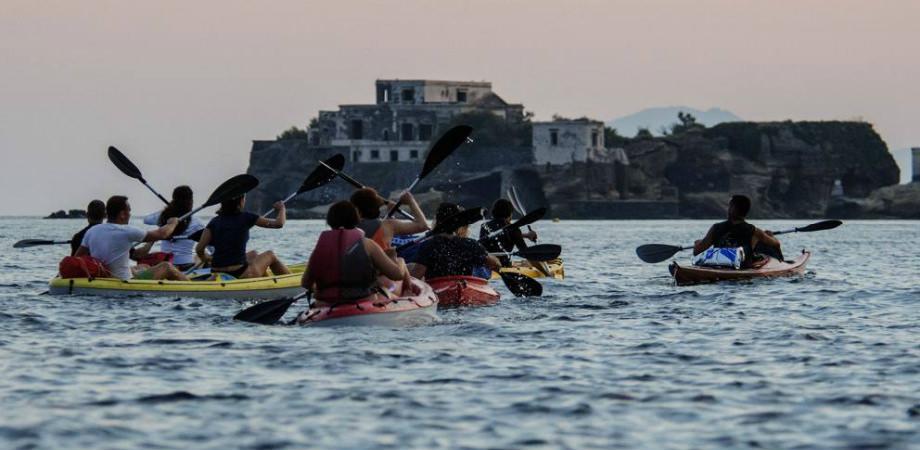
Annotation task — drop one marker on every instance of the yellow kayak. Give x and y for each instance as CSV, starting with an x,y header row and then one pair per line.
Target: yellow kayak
x,y
242,289
555,268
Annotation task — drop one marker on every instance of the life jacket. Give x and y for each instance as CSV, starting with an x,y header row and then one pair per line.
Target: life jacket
x,y
340,266
82,267
373,230
155,258
728,234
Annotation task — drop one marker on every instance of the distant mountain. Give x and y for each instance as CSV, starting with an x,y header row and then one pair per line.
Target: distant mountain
x,y
655,118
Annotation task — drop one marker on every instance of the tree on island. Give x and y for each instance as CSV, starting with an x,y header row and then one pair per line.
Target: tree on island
x,y
687,123
643,134
491,130
292,133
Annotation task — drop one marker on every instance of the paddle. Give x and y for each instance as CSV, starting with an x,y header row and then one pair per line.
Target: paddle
x,y
232,188
461,219
322,174
521,285
655,253
528,219
442,148
128,168
25,243
267,313
517,204
358,185
541,252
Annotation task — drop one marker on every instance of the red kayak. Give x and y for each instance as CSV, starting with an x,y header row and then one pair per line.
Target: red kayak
x,y
767,267
463,291
413,308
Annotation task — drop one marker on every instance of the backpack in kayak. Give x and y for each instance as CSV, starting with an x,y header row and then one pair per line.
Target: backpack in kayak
x,y
82,267
726,257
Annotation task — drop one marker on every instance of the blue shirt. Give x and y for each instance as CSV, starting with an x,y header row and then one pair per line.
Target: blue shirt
x,y
229,235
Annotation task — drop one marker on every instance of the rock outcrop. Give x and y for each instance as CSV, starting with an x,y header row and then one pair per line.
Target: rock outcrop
x,y
71,214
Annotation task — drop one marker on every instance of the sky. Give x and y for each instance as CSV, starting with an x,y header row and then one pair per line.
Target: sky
x,y
183,87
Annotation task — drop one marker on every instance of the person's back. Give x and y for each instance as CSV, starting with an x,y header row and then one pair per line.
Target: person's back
x,y
447,255
736,232
506,240
111,243
368,203
340,266
229,236
374,230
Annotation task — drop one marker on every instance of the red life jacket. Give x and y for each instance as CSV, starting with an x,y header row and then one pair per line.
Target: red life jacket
x,y
82,267
340,266
155,258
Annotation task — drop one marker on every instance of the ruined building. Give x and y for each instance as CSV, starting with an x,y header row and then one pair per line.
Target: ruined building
x,y
405,117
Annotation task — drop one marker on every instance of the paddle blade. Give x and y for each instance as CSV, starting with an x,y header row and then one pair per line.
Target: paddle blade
x,y
25,243
124,164
522,285
322,174
542,252
655,253
820,226
266,313
444,146
464,218
232,188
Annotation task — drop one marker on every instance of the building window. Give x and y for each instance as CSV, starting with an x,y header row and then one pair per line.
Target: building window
x,y
386,95
594,139
461,96
554,137
375,155
394,155
424,132
408,95
357,129
408,132
356,156
386,135
413,154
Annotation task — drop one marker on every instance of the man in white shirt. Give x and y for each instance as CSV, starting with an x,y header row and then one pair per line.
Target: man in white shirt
x,y
111,243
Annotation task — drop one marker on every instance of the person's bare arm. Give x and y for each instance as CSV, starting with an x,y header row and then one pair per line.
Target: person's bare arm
x,y
163,232
703,244
82,251
418,270
203,242
418,225
766,237
493,263
278,221
142,251
394,270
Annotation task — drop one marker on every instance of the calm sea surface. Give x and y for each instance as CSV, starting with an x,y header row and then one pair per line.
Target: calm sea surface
x,y
614,356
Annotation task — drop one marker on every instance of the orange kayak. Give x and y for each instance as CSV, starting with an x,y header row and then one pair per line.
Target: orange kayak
x,y
463,291
768,267
418,306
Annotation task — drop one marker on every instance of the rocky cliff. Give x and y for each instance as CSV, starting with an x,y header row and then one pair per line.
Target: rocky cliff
x,y
788,168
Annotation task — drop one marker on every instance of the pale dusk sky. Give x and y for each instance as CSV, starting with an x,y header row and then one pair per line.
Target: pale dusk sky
x,y
183,87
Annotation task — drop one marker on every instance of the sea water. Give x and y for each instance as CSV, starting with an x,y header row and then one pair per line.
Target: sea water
x,y
614,356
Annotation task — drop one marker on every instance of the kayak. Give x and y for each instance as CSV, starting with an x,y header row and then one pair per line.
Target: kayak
x,y
242,289
417,308
768,267
463,291
555,268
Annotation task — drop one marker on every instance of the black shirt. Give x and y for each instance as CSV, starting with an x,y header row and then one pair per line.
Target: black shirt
x,y
727,234
229,235
502,242
450,255
77,239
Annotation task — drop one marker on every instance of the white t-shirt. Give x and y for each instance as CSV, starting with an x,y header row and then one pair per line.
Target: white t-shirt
x,y
183,250
111,244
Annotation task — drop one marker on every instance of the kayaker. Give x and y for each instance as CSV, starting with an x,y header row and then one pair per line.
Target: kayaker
x,y
736,232
95,214
344,265
451,253
368,203
111,243
229,234
180,246
508,239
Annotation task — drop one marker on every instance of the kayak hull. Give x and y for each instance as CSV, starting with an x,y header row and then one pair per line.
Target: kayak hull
x,y
688,275
463,291
555,268
418,308
243,289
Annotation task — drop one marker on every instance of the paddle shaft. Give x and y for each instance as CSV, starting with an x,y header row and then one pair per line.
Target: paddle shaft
x,y
286,199
408,190
344,176
144,182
